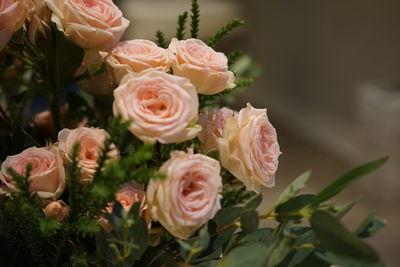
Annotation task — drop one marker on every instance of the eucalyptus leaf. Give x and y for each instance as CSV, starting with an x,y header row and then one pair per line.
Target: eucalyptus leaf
x,y
253,203
344,209
294,187
336,238
342,182
370,225
344,261
227,216
253,255
249,221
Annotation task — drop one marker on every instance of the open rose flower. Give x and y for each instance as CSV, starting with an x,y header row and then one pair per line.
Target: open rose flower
x,y
91,142
212,124
47,177
95,24
12,17
189,196
206,69
249,148
135,55
162,107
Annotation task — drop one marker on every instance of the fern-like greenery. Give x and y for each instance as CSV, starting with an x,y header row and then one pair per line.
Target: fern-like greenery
x,y
161,39
180,29
233,57
195,17
231,25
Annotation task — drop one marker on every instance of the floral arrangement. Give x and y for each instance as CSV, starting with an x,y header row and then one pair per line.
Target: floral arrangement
x,y
136,163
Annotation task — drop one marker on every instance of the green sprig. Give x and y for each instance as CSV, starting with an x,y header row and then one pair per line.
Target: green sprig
x,y
224,31
161,39
195,16
233,57
180,29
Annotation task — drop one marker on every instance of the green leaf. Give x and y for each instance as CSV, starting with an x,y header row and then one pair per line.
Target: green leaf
x,y
253,203
227,216
67,58
282,245
344,209
263,235
249,221
336,238
231,25
223,237
344,261
298,184
370,226
140,236
253,255
342,182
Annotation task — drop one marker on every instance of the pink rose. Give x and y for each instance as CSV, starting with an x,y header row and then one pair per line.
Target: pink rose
x,y
91,142
212,125
189,196
136,55
206,69
57,210
12,17
162,107
249,148
47,177
96,24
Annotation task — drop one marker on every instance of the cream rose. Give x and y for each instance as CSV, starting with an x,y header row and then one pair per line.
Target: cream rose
x,y
12,17
91,142
47,177
189,196
96,24
249,148
212,125
206,69
135,55
162,107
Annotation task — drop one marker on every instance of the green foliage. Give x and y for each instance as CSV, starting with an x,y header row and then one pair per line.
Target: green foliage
x,y
233,57
336,238
195,19
230,26
180,29
161,39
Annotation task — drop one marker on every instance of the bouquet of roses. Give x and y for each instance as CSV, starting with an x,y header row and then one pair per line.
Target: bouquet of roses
x,y
135,162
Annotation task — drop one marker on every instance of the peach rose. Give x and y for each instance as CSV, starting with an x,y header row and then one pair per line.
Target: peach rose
x,y
57,210
47,177
96,24
189,196
162,107
12,16
91,142
212,125
249,148
135,55
206,69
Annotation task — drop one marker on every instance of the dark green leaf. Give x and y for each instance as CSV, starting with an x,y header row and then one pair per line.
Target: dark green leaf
x,y
370,226
336,238
140,236
227,216
292,205
282,245
249,221
223,237
344,209
253,203
253,255
263,235
342,182
298,184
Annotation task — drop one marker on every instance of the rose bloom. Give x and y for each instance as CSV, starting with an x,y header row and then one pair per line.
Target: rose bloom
x,y
189,196
212,125
135,55
96,24
206,69
57,210
162,107
47,177
12,17
249,148
91,142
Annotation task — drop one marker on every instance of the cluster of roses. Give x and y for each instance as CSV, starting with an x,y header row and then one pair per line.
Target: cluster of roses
x,y
163,107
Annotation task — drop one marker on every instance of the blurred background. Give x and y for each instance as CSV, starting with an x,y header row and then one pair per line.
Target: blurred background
x,y
330,78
